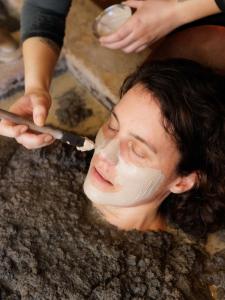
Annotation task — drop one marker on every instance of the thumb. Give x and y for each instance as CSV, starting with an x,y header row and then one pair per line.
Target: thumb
x,y
40,109
133,3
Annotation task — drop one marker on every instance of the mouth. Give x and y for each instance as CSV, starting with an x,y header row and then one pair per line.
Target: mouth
x,y
100,178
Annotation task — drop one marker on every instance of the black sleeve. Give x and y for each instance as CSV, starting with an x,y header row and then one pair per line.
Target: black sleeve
x,y
45,18
221,4
217,19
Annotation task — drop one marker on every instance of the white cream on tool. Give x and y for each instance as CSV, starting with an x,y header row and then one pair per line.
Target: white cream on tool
x,y
136,184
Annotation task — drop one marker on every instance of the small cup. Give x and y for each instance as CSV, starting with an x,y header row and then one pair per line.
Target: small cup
x,y
111,19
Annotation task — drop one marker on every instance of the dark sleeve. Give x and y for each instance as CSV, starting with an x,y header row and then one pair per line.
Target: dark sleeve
x,y
221,4
45,18
217,19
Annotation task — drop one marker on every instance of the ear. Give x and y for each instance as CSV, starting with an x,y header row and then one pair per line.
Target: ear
x,y
184,183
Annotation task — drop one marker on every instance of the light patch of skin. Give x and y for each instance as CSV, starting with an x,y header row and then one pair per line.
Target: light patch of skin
x,y
133,168
130,182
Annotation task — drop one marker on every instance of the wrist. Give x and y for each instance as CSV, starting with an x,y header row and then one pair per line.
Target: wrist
x,y
36,88
191,10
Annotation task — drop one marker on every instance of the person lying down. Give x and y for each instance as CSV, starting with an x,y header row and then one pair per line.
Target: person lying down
x,y
161,153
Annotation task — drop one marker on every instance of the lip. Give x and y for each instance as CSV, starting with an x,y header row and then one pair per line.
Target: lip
x,y
100,179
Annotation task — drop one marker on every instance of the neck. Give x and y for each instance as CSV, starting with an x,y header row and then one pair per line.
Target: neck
x,y
142,217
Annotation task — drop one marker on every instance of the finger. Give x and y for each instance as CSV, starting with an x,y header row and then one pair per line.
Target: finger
x,y
124,31
33,141
133,3
40,109
39,115
121,44
139,44
12,131
132,47
141,48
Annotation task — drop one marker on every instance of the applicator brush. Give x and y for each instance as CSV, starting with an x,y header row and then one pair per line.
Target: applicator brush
x,y
71,138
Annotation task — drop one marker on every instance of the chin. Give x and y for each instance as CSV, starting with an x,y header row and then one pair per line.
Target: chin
x,y
90,191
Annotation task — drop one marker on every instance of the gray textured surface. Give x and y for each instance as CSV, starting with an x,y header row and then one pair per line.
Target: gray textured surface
x,y
54,246
72,109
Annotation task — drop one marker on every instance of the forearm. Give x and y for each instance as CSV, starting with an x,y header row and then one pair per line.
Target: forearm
x,y
42,32
190,10
40,56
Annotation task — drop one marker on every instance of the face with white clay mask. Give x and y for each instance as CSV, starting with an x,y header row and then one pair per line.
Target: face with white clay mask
x,y
135,158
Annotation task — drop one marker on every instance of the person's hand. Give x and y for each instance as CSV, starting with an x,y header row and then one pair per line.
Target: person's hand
x,y
33,105
152,20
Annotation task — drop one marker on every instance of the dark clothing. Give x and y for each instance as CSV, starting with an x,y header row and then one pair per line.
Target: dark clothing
x,y
46,18
221,4
217,19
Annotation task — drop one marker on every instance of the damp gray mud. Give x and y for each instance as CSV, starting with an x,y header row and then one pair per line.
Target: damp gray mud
x,y
53,244
72,109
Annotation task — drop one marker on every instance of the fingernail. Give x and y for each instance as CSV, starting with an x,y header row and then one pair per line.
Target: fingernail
x,y
39,118
48,139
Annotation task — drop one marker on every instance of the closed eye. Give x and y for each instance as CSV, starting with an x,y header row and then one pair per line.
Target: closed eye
x,y
136,152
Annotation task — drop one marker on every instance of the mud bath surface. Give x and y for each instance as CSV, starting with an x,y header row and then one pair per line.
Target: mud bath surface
x,y
72,109
53,245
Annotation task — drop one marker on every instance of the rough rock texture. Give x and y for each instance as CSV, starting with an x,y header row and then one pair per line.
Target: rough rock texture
x,y
72,109
100,69
214,274
55,246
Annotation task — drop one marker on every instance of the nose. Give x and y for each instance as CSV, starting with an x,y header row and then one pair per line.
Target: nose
x,y
110,152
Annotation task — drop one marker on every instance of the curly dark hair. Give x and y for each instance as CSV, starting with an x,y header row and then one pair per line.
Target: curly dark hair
x,y
191,98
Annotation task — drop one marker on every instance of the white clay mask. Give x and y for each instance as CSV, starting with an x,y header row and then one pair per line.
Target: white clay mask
x,y
136,184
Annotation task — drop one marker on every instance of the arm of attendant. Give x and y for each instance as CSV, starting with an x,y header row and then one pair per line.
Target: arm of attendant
x,y
42,31
154,19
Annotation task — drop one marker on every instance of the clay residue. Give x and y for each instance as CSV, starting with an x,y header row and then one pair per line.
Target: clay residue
x,y
72,109
55,246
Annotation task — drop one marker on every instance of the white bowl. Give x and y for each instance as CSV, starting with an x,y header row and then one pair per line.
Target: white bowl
x,y
111,19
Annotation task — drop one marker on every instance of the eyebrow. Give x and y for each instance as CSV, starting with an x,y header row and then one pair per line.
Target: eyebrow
x,y
137,137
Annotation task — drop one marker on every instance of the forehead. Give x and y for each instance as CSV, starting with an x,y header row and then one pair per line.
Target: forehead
x,y
139,112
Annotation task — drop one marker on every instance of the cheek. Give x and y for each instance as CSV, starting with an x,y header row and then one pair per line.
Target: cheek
x,y
138,184
168,164
129,174
102,138
100,142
